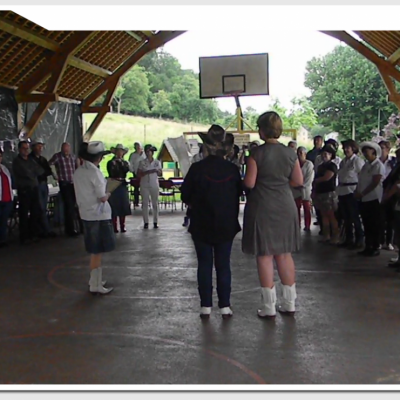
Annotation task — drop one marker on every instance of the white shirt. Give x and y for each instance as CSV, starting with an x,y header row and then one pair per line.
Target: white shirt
x,y
388,167
151,180
365,179
308,176
349,169
134,161
7,172
90,187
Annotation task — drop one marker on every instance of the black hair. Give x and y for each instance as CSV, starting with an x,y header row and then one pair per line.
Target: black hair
x,y
22,142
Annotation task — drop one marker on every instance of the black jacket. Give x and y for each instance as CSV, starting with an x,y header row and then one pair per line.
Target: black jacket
x,y
44,164
212,189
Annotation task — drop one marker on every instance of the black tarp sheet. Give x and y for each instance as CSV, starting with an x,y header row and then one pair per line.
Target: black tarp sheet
x,y
61,123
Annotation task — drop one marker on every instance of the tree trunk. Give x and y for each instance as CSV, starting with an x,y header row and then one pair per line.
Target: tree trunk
x,y
119,106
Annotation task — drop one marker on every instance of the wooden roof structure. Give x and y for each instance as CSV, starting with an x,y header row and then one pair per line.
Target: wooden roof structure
x,y
45,66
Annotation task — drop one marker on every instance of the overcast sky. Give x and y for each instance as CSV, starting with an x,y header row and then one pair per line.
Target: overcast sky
x,y
288,52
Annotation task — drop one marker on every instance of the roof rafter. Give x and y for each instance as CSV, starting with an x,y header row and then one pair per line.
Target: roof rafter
x,y
381,63
49,44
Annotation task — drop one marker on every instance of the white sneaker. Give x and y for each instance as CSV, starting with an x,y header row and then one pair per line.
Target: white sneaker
x,y
390,247
226,312
205,312
394,260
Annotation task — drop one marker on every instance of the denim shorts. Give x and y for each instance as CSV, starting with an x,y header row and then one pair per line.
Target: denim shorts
x,y
99,236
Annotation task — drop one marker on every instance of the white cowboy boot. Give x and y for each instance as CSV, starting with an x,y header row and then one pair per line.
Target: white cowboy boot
x,y
268,309
94,280
289,296
226,312
205,312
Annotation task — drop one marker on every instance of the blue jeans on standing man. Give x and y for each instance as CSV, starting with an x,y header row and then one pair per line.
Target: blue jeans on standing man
x,y
207,254
5,212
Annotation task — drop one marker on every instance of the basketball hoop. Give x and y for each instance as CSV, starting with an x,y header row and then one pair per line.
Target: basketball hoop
x,y
233,93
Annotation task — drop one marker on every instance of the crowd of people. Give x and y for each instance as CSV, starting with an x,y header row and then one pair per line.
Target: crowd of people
x,y
355,196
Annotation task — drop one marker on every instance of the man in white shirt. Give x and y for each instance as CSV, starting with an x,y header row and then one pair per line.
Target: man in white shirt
x,y
95,211
149,170
134,160
349,168
369,191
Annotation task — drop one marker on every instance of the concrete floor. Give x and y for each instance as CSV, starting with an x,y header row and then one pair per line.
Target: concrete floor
x,y
148,331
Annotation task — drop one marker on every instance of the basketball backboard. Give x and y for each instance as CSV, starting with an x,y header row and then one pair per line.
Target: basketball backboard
x,y
243,75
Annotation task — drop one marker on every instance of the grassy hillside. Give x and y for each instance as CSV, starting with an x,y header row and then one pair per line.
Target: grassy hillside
x,y
127,130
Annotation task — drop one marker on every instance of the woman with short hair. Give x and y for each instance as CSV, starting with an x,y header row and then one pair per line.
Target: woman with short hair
x,y
302,194
369,191
149,170
271,226
324,194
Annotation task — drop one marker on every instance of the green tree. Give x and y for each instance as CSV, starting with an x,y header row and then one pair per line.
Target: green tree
x,y
161,105
136,92
345,87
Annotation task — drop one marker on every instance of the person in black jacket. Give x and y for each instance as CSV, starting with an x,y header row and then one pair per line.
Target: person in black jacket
x,y
212,188
36,155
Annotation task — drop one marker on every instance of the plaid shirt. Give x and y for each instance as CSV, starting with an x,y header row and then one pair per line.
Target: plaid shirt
x,y
65,166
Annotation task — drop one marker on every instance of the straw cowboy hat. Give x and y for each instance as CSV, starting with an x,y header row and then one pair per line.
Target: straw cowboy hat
x,y
216,140
372,145
119,146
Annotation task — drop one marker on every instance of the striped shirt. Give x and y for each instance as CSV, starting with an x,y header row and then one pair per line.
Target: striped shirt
x,y
65,166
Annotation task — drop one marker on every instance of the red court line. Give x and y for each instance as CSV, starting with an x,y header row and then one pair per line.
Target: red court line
x,y
257,378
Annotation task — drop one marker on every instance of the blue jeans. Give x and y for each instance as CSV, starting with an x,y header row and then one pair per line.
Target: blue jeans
x,y
5,212
43,200
206,254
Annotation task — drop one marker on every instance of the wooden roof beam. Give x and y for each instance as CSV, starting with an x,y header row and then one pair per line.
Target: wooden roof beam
x,y
394,57
135,36
383,65
152,44
60,57
49,44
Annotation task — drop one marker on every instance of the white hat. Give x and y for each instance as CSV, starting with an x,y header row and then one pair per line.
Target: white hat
x,y
38,141
97,148
372,145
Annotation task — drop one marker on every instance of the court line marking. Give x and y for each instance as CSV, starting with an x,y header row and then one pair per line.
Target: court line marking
x,y
257,378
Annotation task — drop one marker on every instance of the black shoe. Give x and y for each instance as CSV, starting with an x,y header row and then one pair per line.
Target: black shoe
x,y
346,244
26,242
155,226
316,223
146,226
364,252
373,253
73,234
